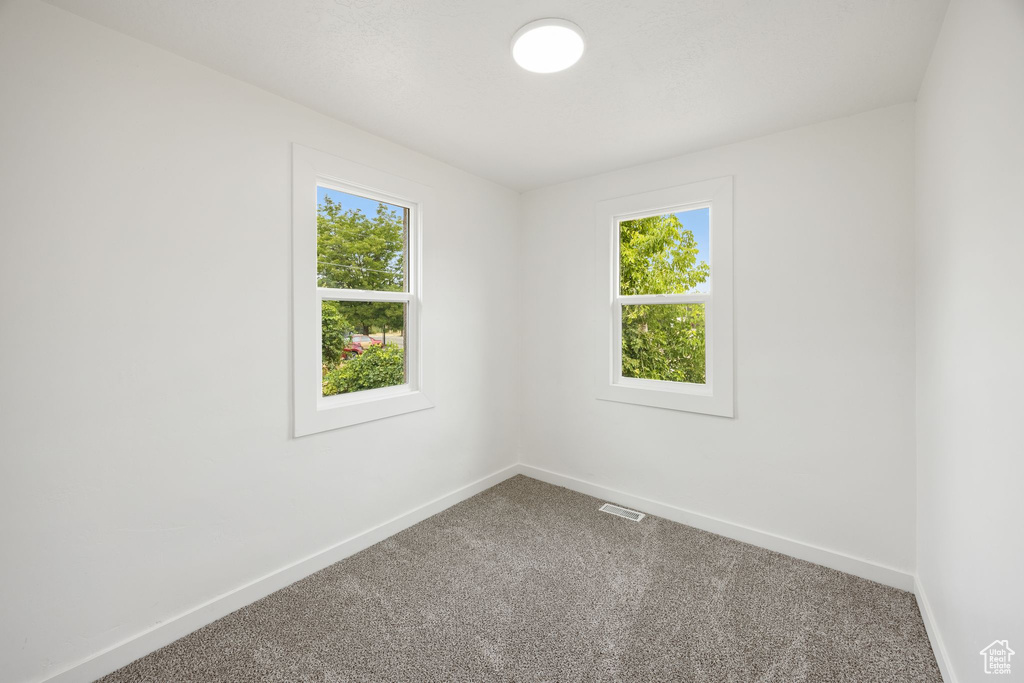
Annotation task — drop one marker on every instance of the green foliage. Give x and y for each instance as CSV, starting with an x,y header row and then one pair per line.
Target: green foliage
x,y
377,366
334,331
657,256
358,252
664,341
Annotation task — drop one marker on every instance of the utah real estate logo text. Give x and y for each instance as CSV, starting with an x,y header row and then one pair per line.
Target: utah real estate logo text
x,y
997,657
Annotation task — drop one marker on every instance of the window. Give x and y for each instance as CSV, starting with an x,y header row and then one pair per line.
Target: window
x,y
665,283
356,293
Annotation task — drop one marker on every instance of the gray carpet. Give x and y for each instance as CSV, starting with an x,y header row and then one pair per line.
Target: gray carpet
x,y
529,582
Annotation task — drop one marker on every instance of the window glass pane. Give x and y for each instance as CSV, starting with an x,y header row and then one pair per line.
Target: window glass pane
x,y
666,254
362,345
664,341
361,243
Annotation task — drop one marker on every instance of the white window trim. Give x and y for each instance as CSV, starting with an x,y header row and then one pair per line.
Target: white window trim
x,y
313,412
715,397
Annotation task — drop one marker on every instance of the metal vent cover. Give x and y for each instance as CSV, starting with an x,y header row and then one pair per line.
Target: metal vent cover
x,y
622,512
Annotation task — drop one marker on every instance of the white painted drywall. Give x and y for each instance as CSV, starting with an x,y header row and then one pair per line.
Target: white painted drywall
x,y
970,332
822,447
144,265
145,290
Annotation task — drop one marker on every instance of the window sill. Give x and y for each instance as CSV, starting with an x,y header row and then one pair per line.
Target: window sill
x,y
689,398
334,412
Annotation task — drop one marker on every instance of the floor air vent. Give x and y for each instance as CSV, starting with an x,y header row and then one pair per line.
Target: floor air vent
x,y
622,512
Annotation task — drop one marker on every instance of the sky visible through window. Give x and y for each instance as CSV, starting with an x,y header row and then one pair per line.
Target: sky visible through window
x,y
698,221
350,201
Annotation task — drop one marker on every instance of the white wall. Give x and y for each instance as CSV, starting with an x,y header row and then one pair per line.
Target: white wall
x,y
147,466
970,331
822,447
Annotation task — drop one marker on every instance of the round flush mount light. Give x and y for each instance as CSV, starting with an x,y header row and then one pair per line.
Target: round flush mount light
x,y
547,45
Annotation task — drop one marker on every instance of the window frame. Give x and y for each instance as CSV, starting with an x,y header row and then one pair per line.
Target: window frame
x,y
313,412
715,397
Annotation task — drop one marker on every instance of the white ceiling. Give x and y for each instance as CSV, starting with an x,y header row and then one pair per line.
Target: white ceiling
x,y
659,78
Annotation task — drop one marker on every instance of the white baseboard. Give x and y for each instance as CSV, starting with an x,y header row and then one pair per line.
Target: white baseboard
x,y
168,631
938,647
787,546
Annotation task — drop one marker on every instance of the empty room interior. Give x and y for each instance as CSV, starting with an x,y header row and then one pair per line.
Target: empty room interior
x,y
522,340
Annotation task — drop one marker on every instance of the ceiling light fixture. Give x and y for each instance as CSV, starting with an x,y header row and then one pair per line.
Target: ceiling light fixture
x,y
547,45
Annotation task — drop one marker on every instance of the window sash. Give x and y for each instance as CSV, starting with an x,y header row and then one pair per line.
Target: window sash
x,y
655,299
675,208
409,334
620,300
408,297
410,209
659,384
332,294
410,341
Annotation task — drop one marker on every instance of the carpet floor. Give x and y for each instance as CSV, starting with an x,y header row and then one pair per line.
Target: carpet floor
x,y
529,582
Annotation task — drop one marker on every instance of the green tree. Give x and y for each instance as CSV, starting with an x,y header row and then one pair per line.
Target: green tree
x,y
658,256
665,341
358,252
377,366
334,332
